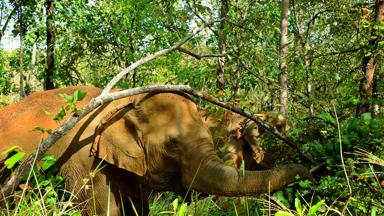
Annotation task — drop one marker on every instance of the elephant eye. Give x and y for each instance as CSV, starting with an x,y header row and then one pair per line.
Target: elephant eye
x,y
172,144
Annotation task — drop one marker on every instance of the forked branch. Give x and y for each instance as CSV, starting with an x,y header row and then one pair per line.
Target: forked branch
x,y
9,186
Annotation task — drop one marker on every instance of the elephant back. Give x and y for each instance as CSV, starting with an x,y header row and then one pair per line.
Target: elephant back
x,y
18,120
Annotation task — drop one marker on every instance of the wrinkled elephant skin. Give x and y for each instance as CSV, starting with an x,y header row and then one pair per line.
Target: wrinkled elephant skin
x,y
149,141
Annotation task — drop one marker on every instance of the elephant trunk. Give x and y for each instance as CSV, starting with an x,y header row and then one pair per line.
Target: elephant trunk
x,y
217,178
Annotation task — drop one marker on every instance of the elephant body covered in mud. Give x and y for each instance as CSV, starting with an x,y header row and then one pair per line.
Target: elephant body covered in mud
x,y
149,141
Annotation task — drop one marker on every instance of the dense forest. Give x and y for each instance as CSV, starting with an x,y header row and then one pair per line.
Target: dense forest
x,y
317,64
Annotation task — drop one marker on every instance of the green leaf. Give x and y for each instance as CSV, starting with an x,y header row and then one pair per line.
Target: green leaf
x,y
60,115
175,204
280,197
69,98
79,95
10,162
373,211
337,77
367,117
312,211
48,157
39,128
298,206
281,213
47,113
305,184
183,210
70,106
47,164
11,149
49,160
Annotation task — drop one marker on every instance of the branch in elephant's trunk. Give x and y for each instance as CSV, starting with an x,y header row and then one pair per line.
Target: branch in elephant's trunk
x,y
9,186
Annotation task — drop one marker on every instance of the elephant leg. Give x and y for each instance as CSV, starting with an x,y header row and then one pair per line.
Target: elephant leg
x,y
128,193
139,202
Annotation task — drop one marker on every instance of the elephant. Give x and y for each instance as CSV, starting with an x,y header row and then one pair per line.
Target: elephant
x,y
130,146
243,137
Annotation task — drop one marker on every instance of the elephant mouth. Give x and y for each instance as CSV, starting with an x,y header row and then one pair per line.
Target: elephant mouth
x,y
165,181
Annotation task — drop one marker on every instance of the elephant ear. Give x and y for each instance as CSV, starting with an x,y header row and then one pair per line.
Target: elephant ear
x,y
118,142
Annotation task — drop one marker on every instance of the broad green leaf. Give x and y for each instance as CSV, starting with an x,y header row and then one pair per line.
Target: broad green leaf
x,y
69,98
183,210
280,197
60,115
47,164
367,117
373,211
49,160
175,204
10,162
79,95
312,211
39,128
48,157
298,206
305,184
11,149
70,106
281,213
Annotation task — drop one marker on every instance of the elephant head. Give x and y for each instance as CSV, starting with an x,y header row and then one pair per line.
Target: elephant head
x,y
243,137
149,141
252,135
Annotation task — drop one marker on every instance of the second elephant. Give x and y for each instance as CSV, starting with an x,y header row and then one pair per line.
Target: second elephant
x,y
242,137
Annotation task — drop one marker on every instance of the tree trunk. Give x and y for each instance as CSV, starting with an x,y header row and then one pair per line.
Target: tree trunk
x,y
50,8
369,66
308,68
283,76
31,67
236,85
375,95
222,46
21,54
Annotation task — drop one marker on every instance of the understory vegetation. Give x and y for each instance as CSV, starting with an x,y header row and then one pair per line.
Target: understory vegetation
x,y
334,86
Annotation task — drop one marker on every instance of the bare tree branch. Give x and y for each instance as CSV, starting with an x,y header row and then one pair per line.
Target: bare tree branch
x,y
193,9
16,8
104,97
26,166
151,57
199,56
339,52
240,26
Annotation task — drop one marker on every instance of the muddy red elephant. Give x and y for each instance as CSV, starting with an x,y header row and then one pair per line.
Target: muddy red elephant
x,y
141,143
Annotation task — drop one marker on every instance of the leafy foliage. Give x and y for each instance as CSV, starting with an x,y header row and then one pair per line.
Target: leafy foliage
x,y
328,43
